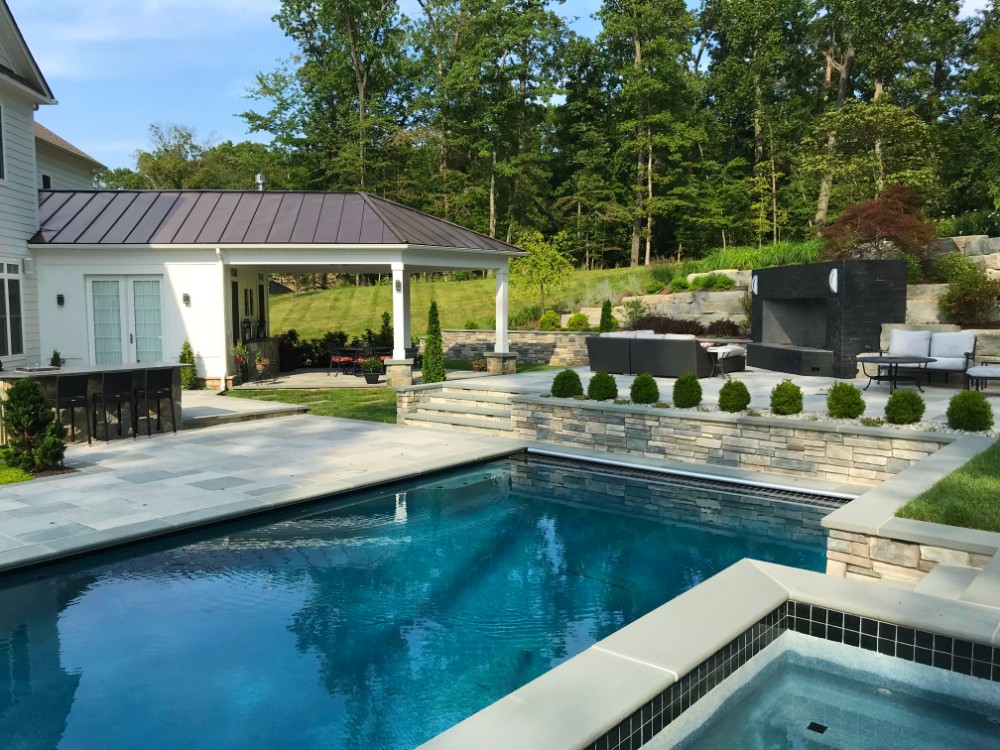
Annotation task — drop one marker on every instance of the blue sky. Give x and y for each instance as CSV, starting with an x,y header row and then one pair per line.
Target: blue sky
x,y
116,66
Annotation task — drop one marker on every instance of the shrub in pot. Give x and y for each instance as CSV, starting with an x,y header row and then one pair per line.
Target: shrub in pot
x,y
687,391
602,387
567,384
904,407
644,390
734,396
371,368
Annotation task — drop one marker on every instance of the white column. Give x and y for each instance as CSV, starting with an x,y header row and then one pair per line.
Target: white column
x,y
400,311
501,346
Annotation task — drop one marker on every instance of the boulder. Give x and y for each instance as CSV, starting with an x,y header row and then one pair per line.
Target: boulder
x,y
974,244
989,262
740,278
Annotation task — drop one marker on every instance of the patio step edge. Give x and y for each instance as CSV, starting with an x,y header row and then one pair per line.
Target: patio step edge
x,y
500,425
447,394
479,411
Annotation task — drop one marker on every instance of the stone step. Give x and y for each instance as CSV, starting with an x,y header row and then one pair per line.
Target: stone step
x,y
449,394
451,421
465,410
985,589
946,581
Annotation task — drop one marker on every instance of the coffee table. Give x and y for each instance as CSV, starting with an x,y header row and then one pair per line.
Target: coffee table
x,y
887,369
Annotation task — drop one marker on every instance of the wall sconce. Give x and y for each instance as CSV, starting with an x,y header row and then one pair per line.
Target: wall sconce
x,y
60,300
187,299
399,285
753,284
832,281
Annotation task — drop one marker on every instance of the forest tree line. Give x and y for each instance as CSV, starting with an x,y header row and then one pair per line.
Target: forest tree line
x,y
671,132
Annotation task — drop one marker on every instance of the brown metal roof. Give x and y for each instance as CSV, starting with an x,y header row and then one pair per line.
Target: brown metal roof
x,y
242,217
42,133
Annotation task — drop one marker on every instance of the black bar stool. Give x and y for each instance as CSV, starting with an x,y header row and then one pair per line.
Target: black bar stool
x,y
116,389
71,392
158,386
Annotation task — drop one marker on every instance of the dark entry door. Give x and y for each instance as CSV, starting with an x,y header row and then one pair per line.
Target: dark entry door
x,y
234,304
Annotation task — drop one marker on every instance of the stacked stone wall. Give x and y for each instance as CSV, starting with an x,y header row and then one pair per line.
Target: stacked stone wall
x,y
563,348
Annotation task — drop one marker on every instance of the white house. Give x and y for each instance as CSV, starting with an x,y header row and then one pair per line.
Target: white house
x,y
127,276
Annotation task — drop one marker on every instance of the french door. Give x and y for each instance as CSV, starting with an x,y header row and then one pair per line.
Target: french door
x,y
126,318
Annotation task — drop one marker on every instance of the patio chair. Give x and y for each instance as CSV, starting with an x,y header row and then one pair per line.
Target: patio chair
x,y
71,392
158,386
340,360
116,389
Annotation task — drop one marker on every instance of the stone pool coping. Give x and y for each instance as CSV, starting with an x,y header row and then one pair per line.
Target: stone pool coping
x,y
574,704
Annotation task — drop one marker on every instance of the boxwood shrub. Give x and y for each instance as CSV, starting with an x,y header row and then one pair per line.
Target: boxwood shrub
x,y
687,391
969,410
734,396
578,322
844,401
567,384
644,390
786,398
550,321
904,407
602,387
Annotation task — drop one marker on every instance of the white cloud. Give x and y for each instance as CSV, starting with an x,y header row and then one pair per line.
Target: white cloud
x,y
971,7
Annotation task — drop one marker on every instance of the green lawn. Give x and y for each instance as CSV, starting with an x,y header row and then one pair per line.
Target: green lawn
x,y
968,497
353,309
370,404
461,364
9,475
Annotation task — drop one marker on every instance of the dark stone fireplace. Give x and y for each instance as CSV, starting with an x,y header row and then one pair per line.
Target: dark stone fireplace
x,y
814,319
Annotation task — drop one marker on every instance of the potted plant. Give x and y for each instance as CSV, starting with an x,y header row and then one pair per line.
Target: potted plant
x,y
240,353
371,368
262,363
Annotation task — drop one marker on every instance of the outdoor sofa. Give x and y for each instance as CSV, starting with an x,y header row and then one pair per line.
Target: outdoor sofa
x,y
953,351
667,355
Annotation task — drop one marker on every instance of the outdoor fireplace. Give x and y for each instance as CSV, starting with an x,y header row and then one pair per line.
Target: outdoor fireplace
x,y
814,319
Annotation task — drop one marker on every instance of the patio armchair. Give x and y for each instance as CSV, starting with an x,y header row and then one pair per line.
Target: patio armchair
x,y
340,359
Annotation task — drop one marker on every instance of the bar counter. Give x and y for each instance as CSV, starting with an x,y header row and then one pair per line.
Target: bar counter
x,y
47,377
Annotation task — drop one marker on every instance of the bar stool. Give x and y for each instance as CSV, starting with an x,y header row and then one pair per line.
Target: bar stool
x,y
158,385
116,389
71,392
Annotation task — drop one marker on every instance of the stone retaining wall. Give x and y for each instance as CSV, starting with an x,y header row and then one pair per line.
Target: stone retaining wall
x,y
868,558
566,348
866,456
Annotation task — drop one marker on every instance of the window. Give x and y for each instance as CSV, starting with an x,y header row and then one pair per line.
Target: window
x,y
11,328
46,182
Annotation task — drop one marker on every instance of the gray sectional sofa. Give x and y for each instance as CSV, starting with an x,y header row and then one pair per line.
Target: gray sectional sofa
x,y
667,355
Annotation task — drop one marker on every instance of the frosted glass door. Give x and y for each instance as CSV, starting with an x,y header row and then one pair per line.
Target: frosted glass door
x,y
108,325
146,320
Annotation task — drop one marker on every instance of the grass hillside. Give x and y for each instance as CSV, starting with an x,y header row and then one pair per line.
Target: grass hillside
x,y
353,309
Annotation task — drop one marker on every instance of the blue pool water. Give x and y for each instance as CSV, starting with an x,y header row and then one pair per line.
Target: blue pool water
x,y
817,695
372,622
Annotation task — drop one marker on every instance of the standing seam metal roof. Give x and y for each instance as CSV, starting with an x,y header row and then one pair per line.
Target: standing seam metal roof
x,y
224,217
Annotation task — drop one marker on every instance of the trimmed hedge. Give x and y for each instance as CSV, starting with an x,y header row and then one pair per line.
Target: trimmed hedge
x,y
644,390
578,322
786,398
969,410
734,396
550,321
904,407
844,401
567,384
602,387
687,391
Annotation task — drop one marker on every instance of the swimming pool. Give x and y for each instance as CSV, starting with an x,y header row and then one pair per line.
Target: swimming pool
x,y
373,621
806,692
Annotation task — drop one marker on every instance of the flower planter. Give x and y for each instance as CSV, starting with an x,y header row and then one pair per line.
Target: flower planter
x,y
371,377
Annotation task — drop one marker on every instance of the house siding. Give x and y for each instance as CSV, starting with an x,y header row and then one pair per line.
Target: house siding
x,y
19,210
67,172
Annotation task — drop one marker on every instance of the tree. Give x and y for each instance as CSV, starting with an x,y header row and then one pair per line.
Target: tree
x,y
881,228
35,440
544,266
433,370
